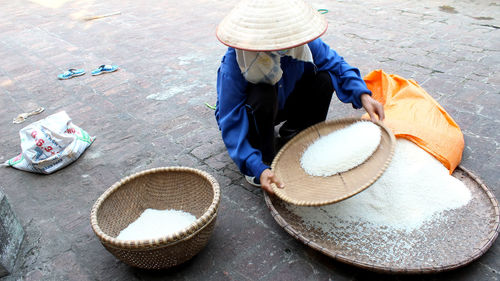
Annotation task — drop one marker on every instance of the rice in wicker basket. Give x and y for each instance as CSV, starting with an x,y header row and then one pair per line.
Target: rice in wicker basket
x,y
179,188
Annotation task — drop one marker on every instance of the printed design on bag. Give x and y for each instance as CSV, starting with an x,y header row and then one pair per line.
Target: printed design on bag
x,y
70,130
42,168
44,144
16,160
39,154
82,135
48,136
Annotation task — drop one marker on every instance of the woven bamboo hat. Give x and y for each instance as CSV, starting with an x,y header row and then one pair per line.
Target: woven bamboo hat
x,y
270,25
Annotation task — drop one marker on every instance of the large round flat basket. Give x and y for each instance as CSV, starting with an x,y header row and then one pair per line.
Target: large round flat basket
x,y
463,236
306,190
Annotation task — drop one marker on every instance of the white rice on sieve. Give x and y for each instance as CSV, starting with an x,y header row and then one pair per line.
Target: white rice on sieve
x,y
154,223
341,150
416,188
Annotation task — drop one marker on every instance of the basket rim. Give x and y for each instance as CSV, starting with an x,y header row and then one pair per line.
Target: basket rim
x,y
348,120
487,242
173,238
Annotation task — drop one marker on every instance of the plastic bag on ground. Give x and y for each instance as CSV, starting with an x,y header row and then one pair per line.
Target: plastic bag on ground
x,y
50,144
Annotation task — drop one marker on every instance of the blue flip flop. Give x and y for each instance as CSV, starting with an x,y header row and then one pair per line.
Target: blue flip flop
x,y
105,68
72,72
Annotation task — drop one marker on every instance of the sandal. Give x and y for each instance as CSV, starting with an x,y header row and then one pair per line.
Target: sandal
x,y
105,68
72,72
253,181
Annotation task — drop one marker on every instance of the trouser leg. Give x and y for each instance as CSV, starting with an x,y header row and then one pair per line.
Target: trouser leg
x,y
307,104
262,108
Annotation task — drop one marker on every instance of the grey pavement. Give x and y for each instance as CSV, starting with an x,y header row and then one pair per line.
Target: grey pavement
x,y
151,113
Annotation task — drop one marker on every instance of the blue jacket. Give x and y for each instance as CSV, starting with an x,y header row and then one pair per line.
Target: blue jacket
x,y
230,111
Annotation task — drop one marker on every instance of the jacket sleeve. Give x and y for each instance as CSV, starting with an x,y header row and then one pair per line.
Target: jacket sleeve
x,y
346,79
233,120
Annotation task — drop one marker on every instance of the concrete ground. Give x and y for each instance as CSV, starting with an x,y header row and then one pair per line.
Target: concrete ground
x,y
151,113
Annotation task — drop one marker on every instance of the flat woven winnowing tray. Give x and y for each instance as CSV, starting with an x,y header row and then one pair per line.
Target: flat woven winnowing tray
x,y
306,190
460,237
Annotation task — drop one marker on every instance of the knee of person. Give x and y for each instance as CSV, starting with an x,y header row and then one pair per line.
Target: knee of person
x,y
262,97
266,106
325,81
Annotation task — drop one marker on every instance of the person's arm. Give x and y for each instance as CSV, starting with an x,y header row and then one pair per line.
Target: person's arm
x,y
233,120
347,81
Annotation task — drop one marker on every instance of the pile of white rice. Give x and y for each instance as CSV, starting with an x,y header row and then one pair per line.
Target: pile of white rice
x,y
416,188
341,150
154,223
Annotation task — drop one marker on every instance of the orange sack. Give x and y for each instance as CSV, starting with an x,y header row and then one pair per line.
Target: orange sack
x,y
413,114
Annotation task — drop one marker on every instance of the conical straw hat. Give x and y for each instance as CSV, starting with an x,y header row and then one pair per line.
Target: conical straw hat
x,y
270,25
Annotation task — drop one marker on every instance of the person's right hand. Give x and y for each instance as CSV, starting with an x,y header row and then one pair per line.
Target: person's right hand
x,y
267,178
372,107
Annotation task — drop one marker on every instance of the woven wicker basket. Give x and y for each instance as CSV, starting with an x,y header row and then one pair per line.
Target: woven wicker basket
x,y
179,188
466,235
306,190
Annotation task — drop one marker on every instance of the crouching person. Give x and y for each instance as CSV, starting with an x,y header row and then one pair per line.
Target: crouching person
x,y
277,70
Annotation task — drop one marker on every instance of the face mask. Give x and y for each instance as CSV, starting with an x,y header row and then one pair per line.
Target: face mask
x,y
265,67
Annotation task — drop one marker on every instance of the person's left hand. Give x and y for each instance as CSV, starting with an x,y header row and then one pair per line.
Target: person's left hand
x,y
372,107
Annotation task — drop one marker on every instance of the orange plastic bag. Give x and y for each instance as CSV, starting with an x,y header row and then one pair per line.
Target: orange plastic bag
x,y
413,114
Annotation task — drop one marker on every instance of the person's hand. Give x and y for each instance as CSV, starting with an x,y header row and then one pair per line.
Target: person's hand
x,y
372,107
267,178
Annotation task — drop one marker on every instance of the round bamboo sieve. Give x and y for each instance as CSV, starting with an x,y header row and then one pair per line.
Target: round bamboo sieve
x,y
306,190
